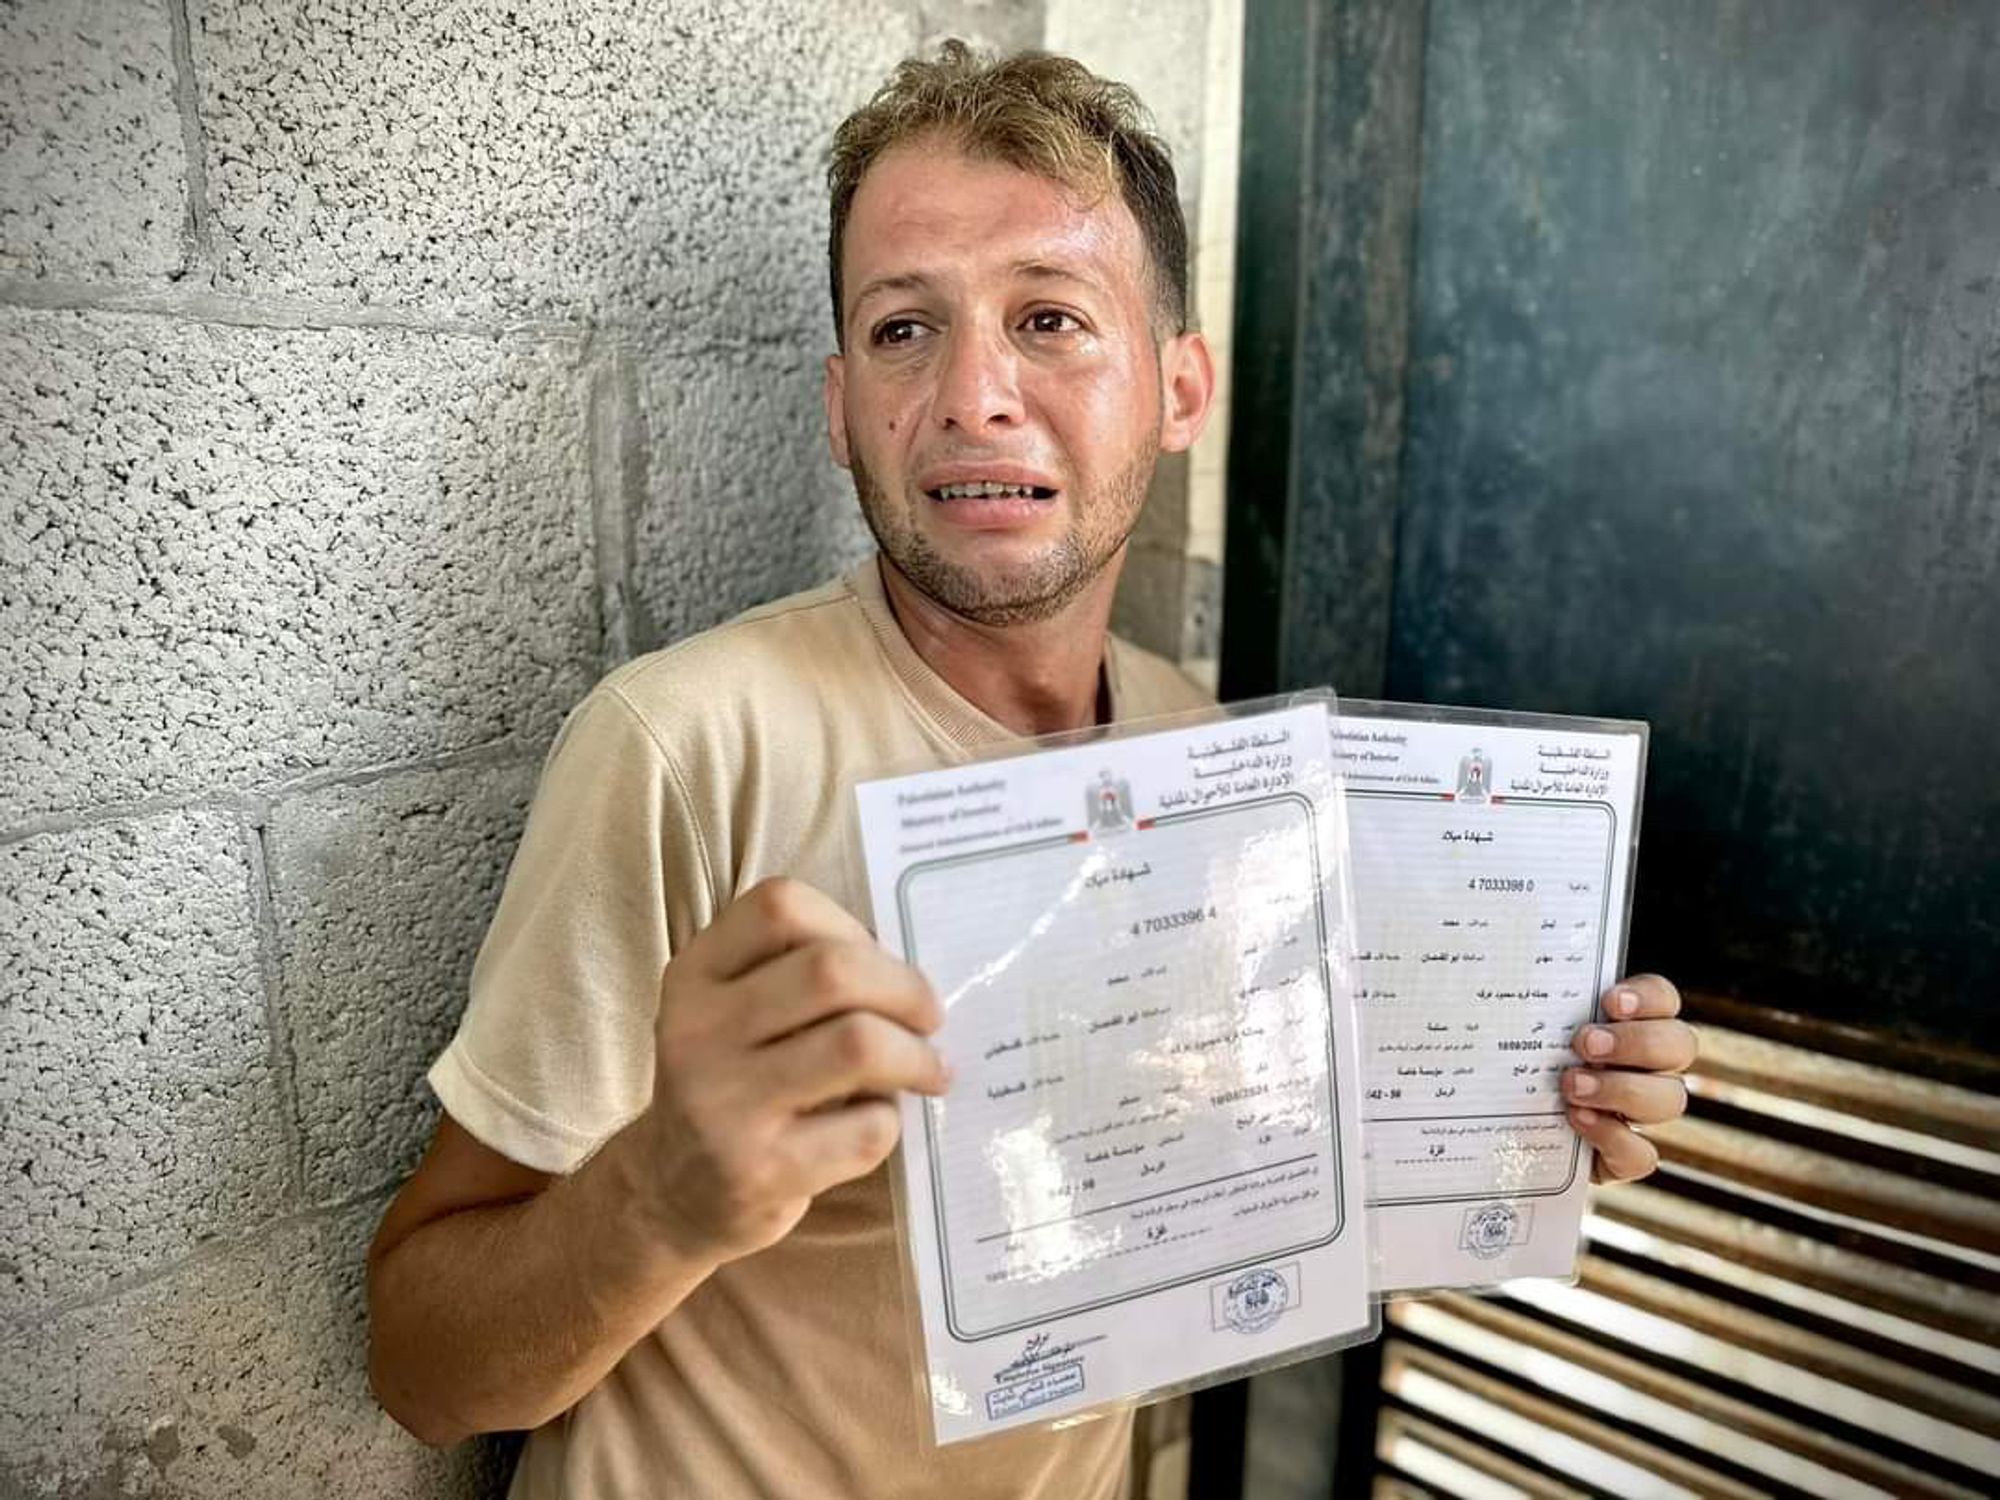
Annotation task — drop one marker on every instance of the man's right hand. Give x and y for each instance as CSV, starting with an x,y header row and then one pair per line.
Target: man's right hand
x,y
784,1034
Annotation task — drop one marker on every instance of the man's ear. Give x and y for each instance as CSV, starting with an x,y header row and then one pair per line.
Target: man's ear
x,y
1187,379
834,392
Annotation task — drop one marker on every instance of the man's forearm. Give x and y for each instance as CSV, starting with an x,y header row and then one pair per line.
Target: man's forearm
x,y
505,1315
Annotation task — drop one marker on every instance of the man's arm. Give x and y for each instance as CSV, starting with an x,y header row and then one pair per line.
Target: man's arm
x,y
499,1296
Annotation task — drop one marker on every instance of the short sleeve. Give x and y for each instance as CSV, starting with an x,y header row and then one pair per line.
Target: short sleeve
x,y
555,1050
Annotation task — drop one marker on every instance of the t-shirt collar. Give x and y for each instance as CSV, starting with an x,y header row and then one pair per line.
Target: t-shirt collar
x,y
960,722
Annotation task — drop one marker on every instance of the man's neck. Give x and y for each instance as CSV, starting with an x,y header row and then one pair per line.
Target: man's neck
x,y
1035,678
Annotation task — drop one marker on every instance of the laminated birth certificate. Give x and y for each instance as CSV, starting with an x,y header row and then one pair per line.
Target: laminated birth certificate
x,y
1147,1171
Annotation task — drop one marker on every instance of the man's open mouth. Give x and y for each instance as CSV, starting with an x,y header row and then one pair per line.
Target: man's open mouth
x,y
984,491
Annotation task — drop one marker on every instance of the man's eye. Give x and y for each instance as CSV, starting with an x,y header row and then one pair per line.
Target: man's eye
x,y
1049,320
897,331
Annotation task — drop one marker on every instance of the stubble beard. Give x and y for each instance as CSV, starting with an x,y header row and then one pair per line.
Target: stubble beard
x,y
1039,590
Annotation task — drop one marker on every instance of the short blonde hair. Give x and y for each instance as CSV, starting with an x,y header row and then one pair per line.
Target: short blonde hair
x,y
1039,112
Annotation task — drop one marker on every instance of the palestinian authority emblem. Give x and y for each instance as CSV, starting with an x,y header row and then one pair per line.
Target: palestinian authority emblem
x,y
1108,806
1475,776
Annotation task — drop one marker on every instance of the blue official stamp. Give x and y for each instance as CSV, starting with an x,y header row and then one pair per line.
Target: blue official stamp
x,y
1490,1230
1255,1300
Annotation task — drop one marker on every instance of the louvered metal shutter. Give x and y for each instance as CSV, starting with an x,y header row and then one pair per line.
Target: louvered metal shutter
x,y
1805,1299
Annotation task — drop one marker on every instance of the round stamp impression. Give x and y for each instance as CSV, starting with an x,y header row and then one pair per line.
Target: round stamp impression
x,y
1490,1229
1255,1300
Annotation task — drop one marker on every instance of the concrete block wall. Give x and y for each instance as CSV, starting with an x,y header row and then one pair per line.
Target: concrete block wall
x,y
371,379
1184,57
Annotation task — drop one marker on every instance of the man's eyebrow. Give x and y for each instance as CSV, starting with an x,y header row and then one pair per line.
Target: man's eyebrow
x,y
1031,270
907,281
1049,271
1044,270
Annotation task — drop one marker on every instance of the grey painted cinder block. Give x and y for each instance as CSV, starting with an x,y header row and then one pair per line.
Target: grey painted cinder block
x,y
1000,26
1149,607
236,555
744,503
1159,48
93,169
241,1377
382,893
137,1112
622,159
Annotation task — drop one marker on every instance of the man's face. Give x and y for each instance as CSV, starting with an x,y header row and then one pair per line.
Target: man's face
x,y
1002,397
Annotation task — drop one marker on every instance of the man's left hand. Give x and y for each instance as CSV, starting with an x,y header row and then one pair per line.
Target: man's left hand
x,y
1630,1075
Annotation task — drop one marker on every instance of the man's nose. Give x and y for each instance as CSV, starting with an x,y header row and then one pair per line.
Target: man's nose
x,y
979,387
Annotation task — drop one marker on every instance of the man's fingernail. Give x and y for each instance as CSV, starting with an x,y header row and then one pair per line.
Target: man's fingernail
x,y
1624,1002
1585,1118
1597,1041
1583,1085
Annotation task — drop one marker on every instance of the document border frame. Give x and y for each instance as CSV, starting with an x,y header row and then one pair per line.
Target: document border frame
x,y
1603,927
933,1153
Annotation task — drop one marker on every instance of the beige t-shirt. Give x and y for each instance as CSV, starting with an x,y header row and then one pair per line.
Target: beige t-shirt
x,y
686,776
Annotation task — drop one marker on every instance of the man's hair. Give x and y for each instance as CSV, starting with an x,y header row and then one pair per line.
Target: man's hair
x,y
1038,112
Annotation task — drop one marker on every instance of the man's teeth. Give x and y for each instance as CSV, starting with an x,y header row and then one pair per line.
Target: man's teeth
x,y
985,491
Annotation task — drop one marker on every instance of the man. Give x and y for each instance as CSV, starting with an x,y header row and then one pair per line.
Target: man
x,y
654,1225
